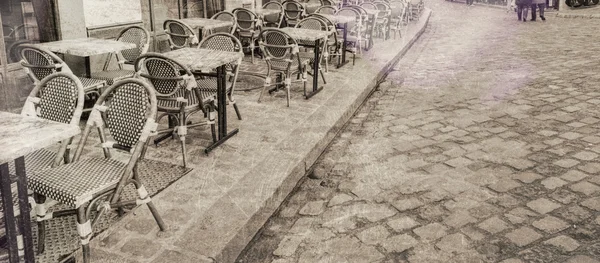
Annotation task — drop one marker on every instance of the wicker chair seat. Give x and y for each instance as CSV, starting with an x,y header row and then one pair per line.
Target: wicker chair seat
x,y
280,65
35,161
247,33
208,86
110,76
78,182
91,84
193,103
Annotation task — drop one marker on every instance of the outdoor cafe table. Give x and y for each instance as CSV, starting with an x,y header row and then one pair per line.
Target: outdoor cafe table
x,y
86,47
310,35
22,135
206,60
203,25
341,20
310,6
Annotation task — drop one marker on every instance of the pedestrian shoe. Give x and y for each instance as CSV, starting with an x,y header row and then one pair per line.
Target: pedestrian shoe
x,y
543,18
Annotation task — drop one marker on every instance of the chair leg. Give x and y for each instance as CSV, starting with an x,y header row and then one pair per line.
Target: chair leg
x,y
252,50
211,118
265,86
84,228
304,78
323,76
235,107
40,206
288,84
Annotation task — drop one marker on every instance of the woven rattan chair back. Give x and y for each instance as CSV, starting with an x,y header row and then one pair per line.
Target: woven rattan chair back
x,y
278,46
223,42
293,12
275,19
326,9
369,5
138,36
165,74
40,63
225,16
179,34
328,3
58,97
313,23
330,26
347,11
246,20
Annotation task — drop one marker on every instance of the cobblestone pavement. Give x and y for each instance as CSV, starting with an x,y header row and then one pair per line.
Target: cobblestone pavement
x,y
481,146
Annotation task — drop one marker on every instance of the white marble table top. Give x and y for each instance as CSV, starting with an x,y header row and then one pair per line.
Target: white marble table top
x,y
22,135
339,19
310,5
305,34
197,23
85,47
199,59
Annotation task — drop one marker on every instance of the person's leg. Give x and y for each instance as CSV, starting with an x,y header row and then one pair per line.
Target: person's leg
x,y
525,11
542,9
533,7
519,11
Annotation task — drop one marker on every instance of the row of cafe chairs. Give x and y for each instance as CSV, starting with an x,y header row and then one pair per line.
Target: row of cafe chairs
x,y
130,118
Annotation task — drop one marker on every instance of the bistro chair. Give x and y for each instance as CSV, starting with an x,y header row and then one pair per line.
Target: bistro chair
x,y
92,187
314,23
133,34
354,31
326,9
248,27
293,12
383,17
310,9
223,42
334,42
416,9
399,19
281,54
40,63
58,97
364,25
369,5
178,96
329,3
179,34
273,20
225,16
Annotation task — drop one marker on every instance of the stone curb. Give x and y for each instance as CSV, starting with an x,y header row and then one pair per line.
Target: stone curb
x,y
584,16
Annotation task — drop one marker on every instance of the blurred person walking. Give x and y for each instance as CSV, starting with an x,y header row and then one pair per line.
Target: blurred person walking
x,y
541,4
523,8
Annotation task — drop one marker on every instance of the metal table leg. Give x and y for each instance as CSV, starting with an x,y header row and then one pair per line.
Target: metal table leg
x,y
9,214
25,226
344,61
221,110
316,88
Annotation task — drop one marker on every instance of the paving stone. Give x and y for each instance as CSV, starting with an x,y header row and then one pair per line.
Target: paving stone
x,y
454,243
407,204
550,224
553,183
140,247
565,243
459,162
592,168
373,235
313,208
582,259
302,226
547,133
591,139
431,231
592,203
527,177
288,245
493,225
402,223
566,163
339,199
570,135
523,236
512,260
573,175
585,188
553,142
459,218
542,205
585,155
399,243
504,185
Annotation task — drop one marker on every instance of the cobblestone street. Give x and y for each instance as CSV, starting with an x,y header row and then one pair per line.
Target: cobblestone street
x,y
480,146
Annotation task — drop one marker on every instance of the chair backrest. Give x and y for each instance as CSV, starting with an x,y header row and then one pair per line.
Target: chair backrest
x,y
330,26
277,45
167,76
326,9
383,7
130,118
179,34
224,42
274,20
398,11
247,21
58,97
225,16
347,11
40,62
328,3
369,5
293,11
138,36
312,22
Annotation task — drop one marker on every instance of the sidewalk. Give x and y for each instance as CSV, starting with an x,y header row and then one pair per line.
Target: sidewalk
x,y
216,209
